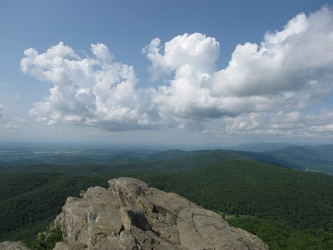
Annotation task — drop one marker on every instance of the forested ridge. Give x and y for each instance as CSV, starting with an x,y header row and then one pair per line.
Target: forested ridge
x,y
288,209
254,188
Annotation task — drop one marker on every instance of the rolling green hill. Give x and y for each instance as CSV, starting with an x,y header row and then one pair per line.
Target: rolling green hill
x,y
264,198
168,161
305,158
254,188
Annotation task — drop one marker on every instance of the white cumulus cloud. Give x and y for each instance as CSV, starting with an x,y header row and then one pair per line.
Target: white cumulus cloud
x,y
195,50
289,69
263,89
95,91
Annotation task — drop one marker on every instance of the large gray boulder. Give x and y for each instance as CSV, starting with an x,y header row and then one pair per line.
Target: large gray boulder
x,y
132,215
13,245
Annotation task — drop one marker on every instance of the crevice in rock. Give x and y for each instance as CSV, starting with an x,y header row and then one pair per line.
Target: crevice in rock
x,y
137,244
158,234
161,210
154,209
101,236
121,229
140,221
122,197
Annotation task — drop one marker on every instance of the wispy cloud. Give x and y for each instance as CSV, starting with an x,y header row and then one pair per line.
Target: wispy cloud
x,y
264,88
2,111
9,123
288,124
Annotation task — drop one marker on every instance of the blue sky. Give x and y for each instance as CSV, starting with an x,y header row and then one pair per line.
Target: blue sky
x,y
166,71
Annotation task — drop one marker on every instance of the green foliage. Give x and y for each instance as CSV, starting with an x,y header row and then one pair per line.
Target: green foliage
x,y
289,209
280,235
286,208
47,240
252,188
31,209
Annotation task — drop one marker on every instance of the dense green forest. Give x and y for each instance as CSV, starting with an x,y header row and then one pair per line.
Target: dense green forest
x,y
288,209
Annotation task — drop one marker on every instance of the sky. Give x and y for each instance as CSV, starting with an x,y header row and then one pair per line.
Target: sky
x,y
166,72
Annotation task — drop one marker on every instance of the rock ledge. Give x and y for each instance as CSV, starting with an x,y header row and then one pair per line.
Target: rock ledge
x,y
132,215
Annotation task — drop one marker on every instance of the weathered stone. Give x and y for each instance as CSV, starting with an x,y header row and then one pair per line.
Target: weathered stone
x,y
13,245
132,215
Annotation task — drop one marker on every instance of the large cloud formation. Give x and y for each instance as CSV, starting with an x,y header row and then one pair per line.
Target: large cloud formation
x,y
94,91
263,89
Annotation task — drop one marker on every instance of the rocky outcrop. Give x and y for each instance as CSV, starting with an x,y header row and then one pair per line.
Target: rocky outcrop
x,y
13,245
132,215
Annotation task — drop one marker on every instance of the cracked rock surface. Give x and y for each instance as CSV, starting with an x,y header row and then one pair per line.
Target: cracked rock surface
x,y
132,215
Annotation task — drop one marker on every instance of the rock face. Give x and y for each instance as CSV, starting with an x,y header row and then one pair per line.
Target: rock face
x,y
13,245
132,215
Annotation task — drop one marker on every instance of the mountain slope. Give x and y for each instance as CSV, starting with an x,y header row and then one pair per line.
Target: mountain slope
x,y
260,147
306,158
253,188
225,181
310,158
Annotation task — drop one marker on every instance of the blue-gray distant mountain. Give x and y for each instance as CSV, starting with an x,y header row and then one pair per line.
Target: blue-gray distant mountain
x,y
306,158
261,146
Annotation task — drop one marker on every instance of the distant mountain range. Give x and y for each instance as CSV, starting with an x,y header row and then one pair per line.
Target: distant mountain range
x,y
317,158
261,146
